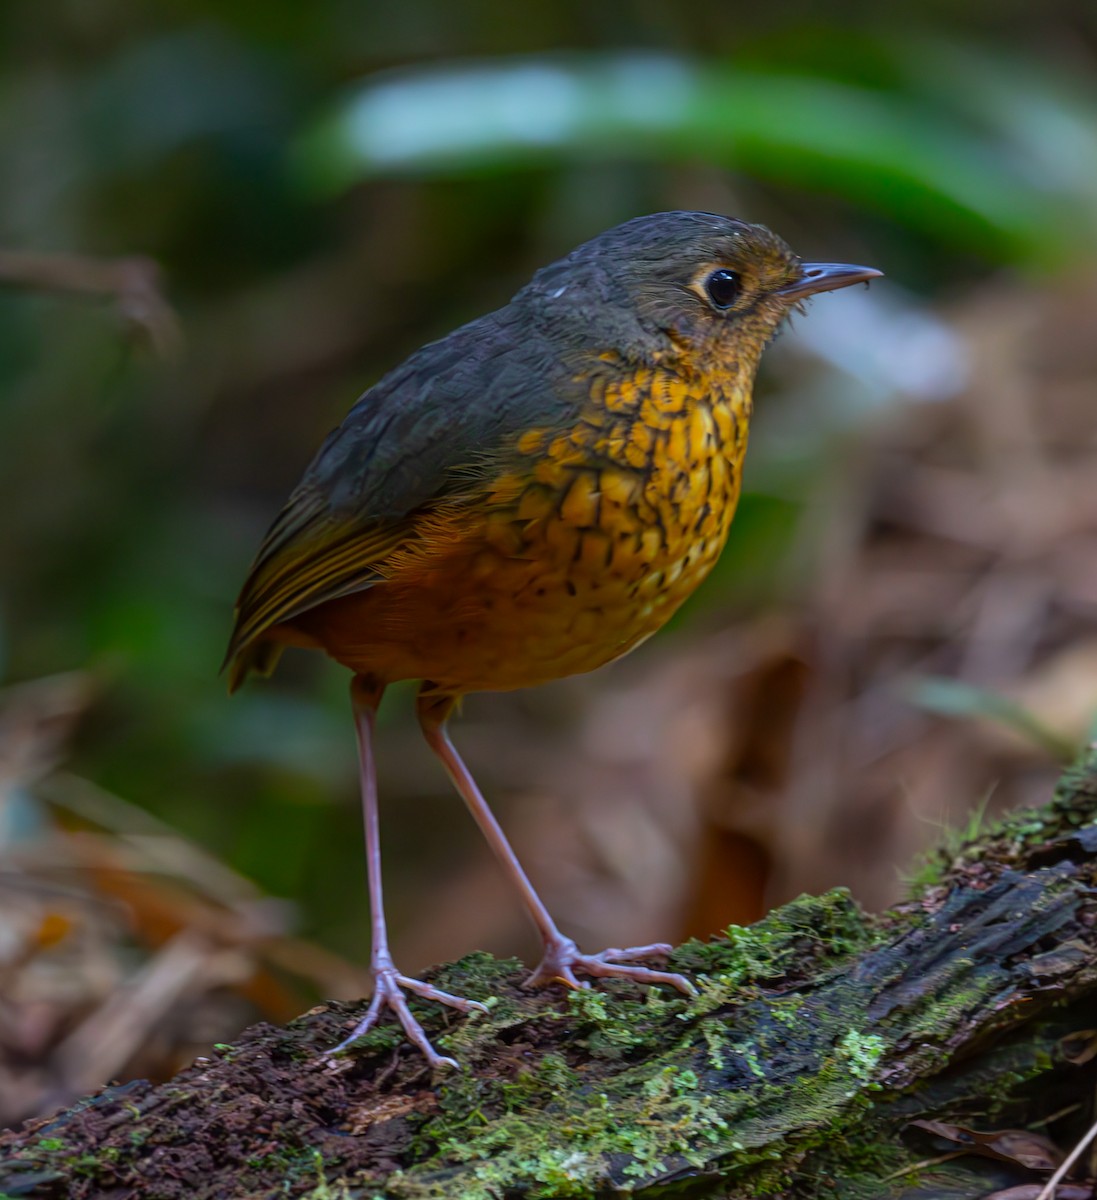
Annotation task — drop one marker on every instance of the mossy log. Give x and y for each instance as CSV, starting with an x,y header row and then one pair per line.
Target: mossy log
x,y
817,1037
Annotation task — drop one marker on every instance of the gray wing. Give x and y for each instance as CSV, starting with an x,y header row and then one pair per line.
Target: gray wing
x,y
427,431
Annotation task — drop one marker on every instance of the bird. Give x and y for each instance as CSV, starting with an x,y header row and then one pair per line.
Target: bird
x,y
529,497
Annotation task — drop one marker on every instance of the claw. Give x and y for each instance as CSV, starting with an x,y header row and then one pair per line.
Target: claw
x,y
387,993
563,958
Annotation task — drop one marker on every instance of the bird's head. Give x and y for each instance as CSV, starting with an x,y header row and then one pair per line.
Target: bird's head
x,y
684,282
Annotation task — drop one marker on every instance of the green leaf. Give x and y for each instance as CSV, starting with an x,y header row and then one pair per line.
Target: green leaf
x,y
951,698
932,165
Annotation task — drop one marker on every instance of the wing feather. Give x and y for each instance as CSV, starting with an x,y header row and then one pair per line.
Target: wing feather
x,y
311,566
432,431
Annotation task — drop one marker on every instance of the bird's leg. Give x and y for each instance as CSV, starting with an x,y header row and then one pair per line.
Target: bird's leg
x,y
562,958
388,983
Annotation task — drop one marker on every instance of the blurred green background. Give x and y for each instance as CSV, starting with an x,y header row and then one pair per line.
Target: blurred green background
x,y
327,185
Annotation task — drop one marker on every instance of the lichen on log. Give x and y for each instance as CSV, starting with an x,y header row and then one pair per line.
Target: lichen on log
x,y
816,1037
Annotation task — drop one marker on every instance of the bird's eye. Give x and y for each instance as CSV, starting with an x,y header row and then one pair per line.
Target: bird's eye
x,y
723,288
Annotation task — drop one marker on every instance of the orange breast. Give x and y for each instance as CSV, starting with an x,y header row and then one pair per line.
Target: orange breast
x,y
577,554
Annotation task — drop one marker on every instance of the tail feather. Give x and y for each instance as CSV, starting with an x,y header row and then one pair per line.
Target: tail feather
x,y
258,657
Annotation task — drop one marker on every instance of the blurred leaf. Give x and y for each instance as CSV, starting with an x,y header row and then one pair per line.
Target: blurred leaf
x,y
1030,1150
887,149
1045,118
951,698
1079,1047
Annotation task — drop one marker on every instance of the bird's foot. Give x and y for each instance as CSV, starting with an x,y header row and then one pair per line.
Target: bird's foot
x,y
388,992
562,959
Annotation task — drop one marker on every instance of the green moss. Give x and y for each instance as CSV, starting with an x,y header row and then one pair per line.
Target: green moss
x,y
749,1054
378,1040
479,976
90,1165
606,1028
862,1051
568,1139
539,1083
51,1151
715,1041
225,1051
553,1130
808,929
568,1151
1074,806
326,1189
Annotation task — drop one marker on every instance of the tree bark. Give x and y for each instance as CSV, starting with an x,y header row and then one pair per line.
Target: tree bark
x,y
817,1037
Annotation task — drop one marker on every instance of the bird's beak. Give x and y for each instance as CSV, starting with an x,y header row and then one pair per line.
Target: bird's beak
x,y
826,277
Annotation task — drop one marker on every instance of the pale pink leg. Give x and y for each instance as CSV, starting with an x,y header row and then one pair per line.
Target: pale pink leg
x,y
388,982
562,958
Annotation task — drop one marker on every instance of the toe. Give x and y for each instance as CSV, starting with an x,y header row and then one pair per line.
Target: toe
x,y
633,953
563,959
427,992
363,1027
388,994
417,1035
600,969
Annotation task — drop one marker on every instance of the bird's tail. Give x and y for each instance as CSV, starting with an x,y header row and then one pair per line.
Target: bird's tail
x,y
259,657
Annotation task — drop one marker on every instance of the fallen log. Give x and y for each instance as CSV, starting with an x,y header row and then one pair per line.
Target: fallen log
x,y
827,1054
